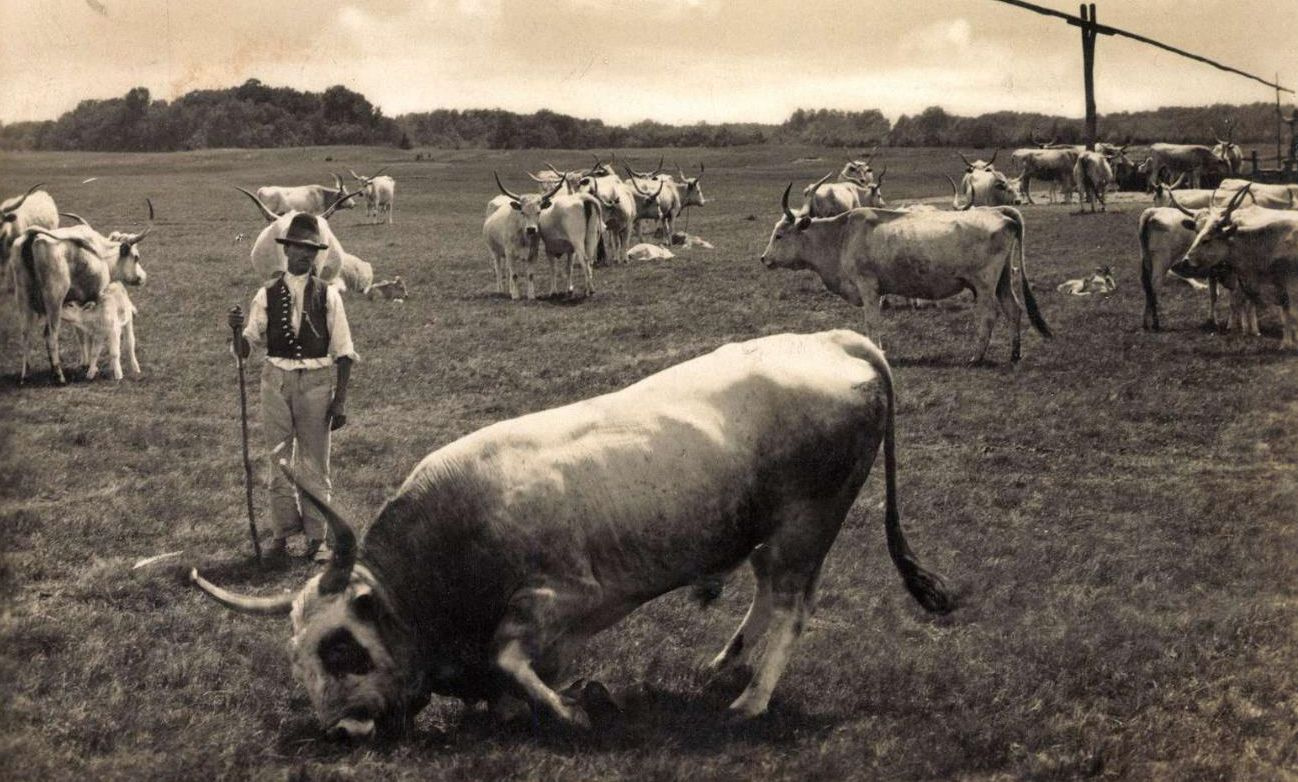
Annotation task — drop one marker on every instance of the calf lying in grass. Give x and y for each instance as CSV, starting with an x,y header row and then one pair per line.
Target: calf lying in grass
x,y
101,323
393,289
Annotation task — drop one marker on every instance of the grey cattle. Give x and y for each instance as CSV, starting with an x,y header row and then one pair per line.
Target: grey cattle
x,y
827,200
513,236
866,253
1164,238
267,256
69,265
505,550
1046,165
105,323
1189,159
1261,248
33,209
312,199
380,194
571,229
1259,194
1092,176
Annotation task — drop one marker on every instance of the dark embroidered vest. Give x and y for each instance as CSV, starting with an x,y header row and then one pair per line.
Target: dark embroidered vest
x,y
312,339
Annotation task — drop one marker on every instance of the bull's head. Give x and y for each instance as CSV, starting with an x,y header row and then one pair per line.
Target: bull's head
x,y
8,224
128,268
644,174
350,648
872,195
1214,237
784,250
338,197
978,165
859,170
693,195
530,206
645,197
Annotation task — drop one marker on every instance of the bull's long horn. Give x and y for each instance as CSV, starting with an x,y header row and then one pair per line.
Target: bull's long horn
x,y
955,196
784,204
811,191
513,196
536,178
659,169
355,175
1180,178
545,199
338,573
879,181
265,210
276,605
342,199
1237,199
76,217
1177,204
965,159
701,170
376,174
137,238
30,190
993,160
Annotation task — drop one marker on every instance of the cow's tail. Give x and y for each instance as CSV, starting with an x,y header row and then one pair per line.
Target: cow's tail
x,y
1029,300
594,212
1146,268
35,302
925,586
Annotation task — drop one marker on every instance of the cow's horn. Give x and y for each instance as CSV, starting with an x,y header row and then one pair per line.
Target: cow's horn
x,y
965,159
355,175
76,217
277,605
812,190
879,181
659,169
265,210
137,238
342,199
1177,204
512,196
338,573
30,190
536,178
993,160
701,171
1238,198
1180,178
376,174
784,204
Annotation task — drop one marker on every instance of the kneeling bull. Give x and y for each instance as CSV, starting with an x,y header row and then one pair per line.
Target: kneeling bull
x,y
506,549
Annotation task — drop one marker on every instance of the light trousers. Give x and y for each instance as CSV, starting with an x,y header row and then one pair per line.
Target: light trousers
x,y
295,413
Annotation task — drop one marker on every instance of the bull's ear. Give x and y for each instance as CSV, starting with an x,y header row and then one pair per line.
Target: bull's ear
x,y
968,169
803,223
516,205
545,204
11,217
366,607
1188,224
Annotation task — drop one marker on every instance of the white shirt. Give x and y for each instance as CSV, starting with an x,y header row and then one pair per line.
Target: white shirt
x,y
340,333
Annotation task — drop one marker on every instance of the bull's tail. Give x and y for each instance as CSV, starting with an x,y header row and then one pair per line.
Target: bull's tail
x,y
925,586
35,302
594,212
1147,272
1029,300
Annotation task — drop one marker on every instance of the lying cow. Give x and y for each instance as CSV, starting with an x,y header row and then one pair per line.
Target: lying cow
x,y
104,323
505,550
391,290
1099,283
866,253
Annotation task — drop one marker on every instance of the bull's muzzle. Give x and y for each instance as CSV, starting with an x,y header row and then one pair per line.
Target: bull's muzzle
x,y
352,729
1184,268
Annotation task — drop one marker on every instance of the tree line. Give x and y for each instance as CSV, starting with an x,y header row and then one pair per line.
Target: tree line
x,y
256,115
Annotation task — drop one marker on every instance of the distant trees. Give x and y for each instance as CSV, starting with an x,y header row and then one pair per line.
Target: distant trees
x,y
258,115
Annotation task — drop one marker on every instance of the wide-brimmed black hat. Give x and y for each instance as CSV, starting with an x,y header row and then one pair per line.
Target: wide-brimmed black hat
x,y
304,232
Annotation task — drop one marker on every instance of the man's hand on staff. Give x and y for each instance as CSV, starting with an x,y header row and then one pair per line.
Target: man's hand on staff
x,y
236,322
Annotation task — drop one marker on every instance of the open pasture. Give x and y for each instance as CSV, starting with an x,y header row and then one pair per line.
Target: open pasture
x,y
1117,512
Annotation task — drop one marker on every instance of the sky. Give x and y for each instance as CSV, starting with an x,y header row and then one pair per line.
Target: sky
x,y
622,61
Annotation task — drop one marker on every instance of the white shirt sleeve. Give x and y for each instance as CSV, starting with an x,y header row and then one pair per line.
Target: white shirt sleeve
x,y
340,333
254,329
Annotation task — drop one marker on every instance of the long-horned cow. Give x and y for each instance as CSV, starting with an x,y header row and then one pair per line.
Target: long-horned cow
x,y
1175,159
867,253
826,199
513,234
74,264
1260,194
618,200
312,199
1260,246
380,194
505,550
1054,166
1092,175
267,255
1165,235
33,209
571,229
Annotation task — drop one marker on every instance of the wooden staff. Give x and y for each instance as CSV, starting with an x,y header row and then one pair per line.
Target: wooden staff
x,y
247,462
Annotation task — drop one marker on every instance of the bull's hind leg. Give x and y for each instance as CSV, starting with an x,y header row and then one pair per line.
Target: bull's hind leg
x,y
985,305
740,646
1013,313
128,331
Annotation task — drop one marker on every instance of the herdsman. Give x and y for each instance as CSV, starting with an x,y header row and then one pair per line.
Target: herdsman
x,y
301,321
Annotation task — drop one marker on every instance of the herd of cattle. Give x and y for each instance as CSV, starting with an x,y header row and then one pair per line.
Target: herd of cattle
x,y
504,550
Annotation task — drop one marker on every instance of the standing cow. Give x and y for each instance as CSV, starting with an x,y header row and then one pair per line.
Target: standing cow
x,y
33,209
513,234
312,199
867,253
1092,176
505,550
380,194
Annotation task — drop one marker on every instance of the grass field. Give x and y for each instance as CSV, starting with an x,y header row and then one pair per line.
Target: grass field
x,y
1118,512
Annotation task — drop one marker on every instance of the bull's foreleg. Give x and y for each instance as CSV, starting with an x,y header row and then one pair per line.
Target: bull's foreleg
x,y
511,276
669,227
515,663
740,646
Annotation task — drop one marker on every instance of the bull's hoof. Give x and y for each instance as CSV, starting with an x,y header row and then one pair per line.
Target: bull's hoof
x,y
746,708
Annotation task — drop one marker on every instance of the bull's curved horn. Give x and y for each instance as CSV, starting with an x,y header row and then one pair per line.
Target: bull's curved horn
x,y
545,199
965,159
265,210
681,171
75,216
1179,179
1237,199
134,239
993,160
879,181
784,204
275,605
338,184
631,172
1177,204
339,570
811,189
342,199
30,190
355,175
538,179
513,196
659,169
955,196
376,174
701,172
